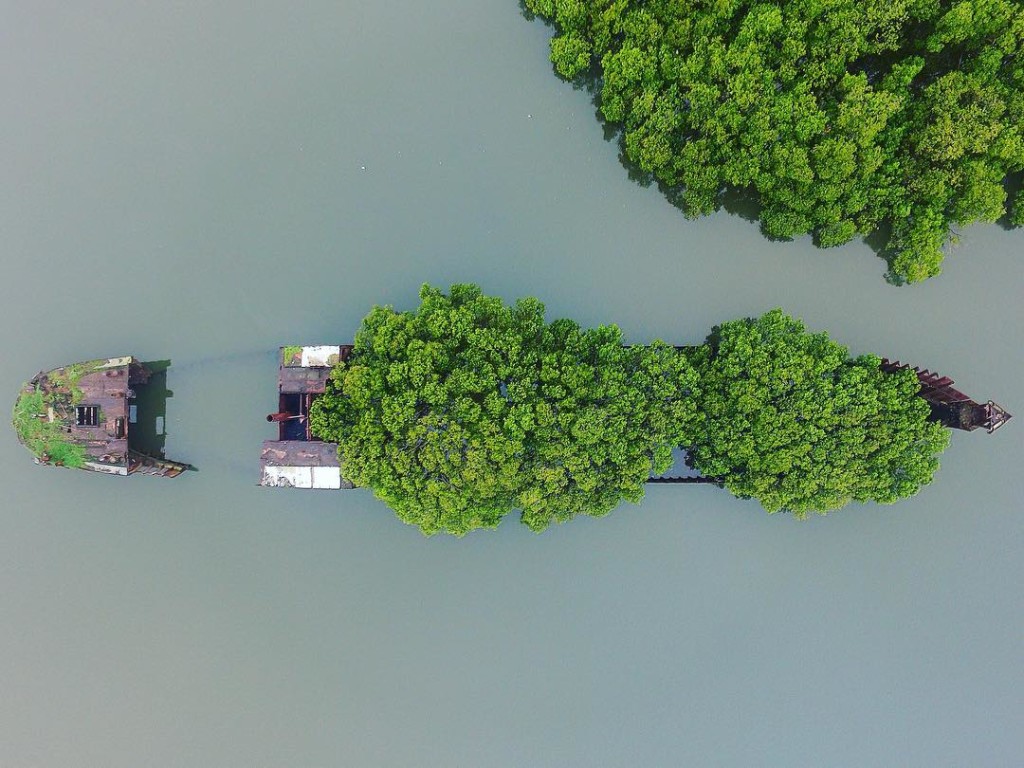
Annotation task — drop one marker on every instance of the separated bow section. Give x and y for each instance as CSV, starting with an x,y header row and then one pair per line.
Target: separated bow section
x,y
103,416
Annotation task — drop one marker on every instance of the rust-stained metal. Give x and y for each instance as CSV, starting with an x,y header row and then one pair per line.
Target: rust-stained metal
x,y
84,418
951,406
296,459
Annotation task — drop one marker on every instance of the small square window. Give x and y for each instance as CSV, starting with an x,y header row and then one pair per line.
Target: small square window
x,y
87,415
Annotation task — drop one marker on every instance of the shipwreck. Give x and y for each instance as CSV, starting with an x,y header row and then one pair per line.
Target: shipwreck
x,y
96,416
297,459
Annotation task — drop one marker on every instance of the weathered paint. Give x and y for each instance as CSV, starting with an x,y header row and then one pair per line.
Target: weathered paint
x,y
320,356
324,478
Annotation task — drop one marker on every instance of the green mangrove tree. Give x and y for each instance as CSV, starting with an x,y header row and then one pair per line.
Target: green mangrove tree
x,y
789,418
844,116
467,408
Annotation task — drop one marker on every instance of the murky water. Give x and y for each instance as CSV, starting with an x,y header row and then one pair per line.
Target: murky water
x,y
208,181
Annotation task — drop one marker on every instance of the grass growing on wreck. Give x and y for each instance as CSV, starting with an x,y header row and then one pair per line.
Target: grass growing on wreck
x,y
45,438
67,378
291,355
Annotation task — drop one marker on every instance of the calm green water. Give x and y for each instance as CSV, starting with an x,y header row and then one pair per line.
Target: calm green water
x,y
207,182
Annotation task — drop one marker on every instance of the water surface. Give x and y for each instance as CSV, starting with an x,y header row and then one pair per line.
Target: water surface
x,y
206,182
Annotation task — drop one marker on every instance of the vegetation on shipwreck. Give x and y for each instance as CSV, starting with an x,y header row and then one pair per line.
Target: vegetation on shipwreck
x,y
467,409
842,117
82,416
44,406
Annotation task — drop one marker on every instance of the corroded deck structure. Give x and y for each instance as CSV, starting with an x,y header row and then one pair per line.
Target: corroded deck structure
x,y
296,459
80,416
949,405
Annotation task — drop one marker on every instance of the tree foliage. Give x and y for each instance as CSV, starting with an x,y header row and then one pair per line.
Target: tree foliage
x,y
844,115
467,408
789,418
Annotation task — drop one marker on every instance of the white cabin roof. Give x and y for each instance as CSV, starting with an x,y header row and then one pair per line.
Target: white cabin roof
x,y
326,478
320,356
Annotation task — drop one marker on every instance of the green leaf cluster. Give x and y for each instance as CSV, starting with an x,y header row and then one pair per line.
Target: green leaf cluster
x,y
845,116
45,438
789,418
468,408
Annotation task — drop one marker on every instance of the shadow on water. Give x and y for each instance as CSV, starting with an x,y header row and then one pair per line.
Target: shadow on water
x,y
878,241
1014,186
148,431
743,203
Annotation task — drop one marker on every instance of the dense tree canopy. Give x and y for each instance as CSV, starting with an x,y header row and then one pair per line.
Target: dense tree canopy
x,y
467,408
844,115
789,418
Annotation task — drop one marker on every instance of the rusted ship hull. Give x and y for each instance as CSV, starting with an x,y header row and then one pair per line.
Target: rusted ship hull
x,y
85,416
